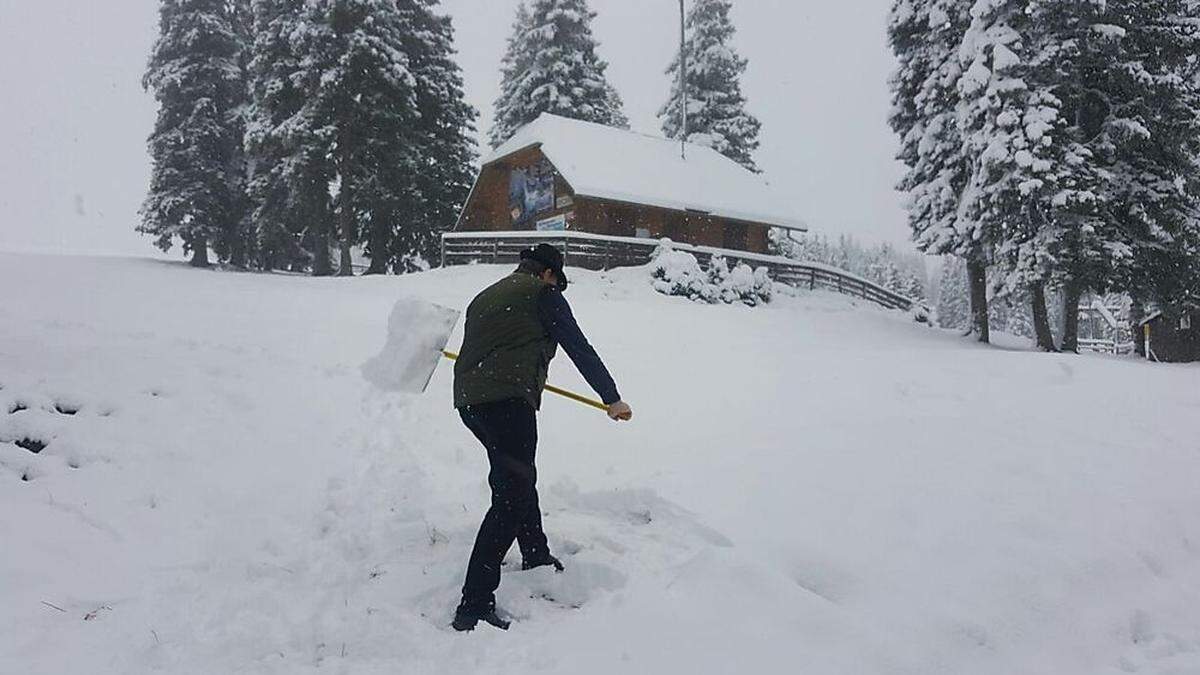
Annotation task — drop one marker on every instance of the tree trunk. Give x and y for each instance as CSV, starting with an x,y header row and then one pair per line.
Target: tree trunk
x,y
200,253
1137,311
346,223
378,249
237,256
266,260
977,278
1041,318
322,265
237,247
344,158
1071,294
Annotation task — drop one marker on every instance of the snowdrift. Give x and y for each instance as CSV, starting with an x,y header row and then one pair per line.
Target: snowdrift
x,y
195,477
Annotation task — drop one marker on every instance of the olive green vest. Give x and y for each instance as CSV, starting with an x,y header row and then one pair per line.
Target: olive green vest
x,y
506,352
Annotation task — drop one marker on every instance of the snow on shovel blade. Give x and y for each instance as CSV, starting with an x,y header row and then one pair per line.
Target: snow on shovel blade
x,y
417,334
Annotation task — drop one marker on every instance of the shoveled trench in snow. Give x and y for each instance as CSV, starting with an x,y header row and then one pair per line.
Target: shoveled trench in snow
x,y
810,485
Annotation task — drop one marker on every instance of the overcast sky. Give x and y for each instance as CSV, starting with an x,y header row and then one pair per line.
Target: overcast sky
x,y
74,118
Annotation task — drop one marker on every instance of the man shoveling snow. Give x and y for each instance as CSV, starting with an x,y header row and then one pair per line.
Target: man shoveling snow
x,y
512,332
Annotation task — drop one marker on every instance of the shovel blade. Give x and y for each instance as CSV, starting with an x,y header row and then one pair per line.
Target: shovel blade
x,y
417,333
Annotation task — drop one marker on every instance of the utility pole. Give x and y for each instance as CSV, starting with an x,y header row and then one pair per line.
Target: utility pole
x,y
683,97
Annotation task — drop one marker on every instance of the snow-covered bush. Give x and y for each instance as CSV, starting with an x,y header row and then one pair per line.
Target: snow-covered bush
x,y
720,277
679,273
764,287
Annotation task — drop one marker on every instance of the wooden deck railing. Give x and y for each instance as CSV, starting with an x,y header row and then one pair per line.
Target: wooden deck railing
x,y
1113,346
599,252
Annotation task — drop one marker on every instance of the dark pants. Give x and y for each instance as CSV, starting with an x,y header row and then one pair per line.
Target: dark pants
x,y
508,430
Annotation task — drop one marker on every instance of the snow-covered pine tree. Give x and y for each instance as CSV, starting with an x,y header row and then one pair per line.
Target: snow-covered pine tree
x,y
912,285
443,172
361,94
237,245
553,67
882,268
1020,318
1148,140
1011,122
518,56
716,108
1012,314
953,303
1070,238
288,147
616,107
926,36
194,74
1119,75
371,96
349,114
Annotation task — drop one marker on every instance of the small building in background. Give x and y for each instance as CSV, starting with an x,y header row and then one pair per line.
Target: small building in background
x,y
559,174
1104,323
1172,335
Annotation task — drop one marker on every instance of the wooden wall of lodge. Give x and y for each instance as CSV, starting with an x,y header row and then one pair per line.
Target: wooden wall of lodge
x,y
1170,343
488,210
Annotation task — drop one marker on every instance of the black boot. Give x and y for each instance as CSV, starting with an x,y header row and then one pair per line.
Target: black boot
x,y
465,619
542,562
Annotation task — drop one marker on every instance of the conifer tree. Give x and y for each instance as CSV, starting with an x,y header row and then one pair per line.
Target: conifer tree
x,y
926,36
1028,179
288,144
360,92
716,108
441,176
953,304
912,285
518,55
1116,90
1148,141
336,112
238,243
552,66
194,74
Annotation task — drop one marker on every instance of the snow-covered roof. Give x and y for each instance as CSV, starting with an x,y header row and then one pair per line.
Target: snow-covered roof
x,y
607,163
1150,317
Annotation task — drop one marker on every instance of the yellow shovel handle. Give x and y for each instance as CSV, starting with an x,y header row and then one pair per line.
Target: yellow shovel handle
x,y
552,389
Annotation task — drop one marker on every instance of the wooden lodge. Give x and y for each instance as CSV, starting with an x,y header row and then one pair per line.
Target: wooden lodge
x,y
562,175
607,198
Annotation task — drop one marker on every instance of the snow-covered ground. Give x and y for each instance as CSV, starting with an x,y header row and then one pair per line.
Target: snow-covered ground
x,y
811,486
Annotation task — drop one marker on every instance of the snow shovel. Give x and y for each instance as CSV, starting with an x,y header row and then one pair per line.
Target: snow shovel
x,y
417,335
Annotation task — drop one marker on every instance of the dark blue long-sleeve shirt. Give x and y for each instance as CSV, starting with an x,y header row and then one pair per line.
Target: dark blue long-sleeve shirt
x,y
556,317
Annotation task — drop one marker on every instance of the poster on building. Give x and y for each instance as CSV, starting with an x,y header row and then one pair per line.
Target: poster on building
x,y
531,191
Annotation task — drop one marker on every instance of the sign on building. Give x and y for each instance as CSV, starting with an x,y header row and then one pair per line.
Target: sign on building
x,y
553,224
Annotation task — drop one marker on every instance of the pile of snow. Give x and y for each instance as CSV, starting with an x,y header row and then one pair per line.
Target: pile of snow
x,y
417,334
814,486
679,273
